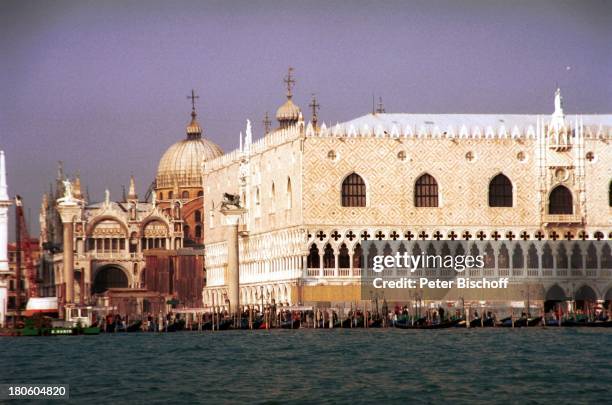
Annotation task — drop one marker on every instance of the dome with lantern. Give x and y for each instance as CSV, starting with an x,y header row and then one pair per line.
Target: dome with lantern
x,y
181,165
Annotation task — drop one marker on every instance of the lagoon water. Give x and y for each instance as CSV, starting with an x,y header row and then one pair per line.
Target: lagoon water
x,y
529,365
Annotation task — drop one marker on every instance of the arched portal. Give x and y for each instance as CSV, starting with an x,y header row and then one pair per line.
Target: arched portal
x,y
555,296
608,300
109,277
585,298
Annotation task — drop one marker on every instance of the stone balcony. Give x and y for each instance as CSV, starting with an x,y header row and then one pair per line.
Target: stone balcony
x,y
517,274
563,219
123,256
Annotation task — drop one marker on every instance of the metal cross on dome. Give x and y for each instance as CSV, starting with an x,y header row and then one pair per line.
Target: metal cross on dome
x,y
193,98
267,123
290,81
315,107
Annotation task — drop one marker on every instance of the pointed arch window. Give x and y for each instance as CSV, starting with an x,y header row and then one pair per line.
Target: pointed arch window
x,y
426,191
313,261
353,191
500,192
289,194
273,199
560,201
257,203
344,260
329,260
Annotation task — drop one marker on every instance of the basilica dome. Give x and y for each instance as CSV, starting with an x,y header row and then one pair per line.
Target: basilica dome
x,y
181,165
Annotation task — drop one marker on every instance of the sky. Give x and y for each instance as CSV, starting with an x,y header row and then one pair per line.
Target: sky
x,y
103,86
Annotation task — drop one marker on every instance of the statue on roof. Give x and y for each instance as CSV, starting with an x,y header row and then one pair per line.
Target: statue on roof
x,y
68,197
558,101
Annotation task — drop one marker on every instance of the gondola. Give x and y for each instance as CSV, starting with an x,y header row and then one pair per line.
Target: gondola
x,y
346,323
135,327
520,322
442,325
601,324
176,326
586,323
224,324
256,323
292,324
478,322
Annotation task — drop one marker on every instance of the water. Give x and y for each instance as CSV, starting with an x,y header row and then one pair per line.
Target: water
x,y
530,365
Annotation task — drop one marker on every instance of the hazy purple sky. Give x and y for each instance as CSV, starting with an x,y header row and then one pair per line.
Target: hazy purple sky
x,y
103,85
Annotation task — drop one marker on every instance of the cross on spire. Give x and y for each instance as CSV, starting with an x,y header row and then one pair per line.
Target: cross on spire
x,y
381,108
193,98
315,106
289,81
267,123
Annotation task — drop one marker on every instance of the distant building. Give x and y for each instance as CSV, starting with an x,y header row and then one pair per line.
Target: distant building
x,y
21,285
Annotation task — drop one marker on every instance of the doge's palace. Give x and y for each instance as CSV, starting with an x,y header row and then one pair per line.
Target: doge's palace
x,y
313,193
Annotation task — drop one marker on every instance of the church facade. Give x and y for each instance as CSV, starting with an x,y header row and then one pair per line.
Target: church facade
x,y
113,241
312,194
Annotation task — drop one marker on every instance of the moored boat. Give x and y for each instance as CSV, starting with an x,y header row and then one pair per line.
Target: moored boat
x,y
479,322
292,324
441,325
520,322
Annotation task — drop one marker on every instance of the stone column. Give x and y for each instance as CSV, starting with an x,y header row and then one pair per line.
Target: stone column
x,y
4,267
336,257
68,210
232,221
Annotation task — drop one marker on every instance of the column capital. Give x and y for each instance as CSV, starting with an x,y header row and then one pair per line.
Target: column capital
x,y
232,216
68,212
